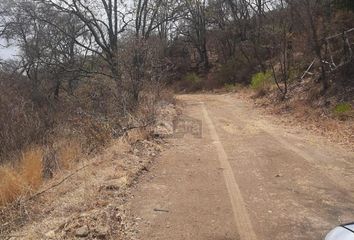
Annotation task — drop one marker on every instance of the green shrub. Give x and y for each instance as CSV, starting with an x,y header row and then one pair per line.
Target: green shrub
x,y
261,80
343,108
192,82
192,78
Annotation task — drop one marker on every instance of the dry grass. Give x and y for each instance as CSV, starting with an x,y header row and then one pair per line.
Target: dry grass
x,y
68,153
136,135
22,179
11,185
31,167
305,109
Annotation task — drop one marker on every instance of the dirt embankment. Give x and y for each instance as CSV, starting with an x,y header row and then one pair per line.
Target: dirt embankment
x,y
307,110
89,202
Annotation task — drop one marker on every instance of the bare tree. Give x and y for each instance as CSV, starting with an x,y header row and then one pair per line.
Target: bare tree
x,y
232,19
195,29
281,46
152,19
104,21
45,51
309,12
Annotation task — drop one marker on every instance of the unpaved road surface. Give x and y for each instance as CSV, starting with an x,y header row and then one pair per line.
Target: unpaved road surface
x,y
245,178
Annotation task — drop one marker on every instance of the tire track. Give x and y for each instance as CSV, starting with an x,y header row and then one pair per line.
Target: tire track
x,y
242,219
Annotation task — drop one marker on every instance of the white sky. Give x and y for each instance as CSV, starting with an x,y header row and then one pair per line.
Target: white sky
x,y
7,52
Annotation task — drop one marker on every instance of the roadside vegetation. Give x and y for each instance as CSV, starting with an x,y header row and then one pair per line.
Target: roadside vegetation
x,y
85,73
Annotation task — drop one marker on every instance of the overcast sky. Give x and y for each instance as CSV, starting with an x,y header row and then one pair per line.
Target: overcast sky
x,y
7,52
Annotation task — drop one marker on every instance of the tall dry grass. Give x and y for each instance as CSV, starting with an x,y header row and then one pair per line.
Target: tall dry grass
x,y
69,152
11,185
21,178
30,167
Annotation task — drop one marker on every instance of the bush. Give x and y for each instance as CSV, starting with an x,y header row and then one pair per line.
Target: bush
x,y
261,80
343,108
193,78
343,111
227,72
191,82
235,70
22,122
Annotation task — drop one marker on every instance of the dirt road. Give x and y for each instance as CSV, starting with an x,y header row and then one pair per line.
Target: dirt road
x,y
245,178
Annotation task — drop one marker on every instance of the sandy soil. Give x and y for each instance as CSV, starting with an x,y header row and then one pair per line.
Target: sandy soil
x,y
247,177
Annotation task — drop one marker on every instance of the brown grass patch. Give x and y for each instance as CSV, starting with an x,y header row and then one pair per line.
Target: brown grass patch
x,y
11,185
31,167
69,152
22,179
